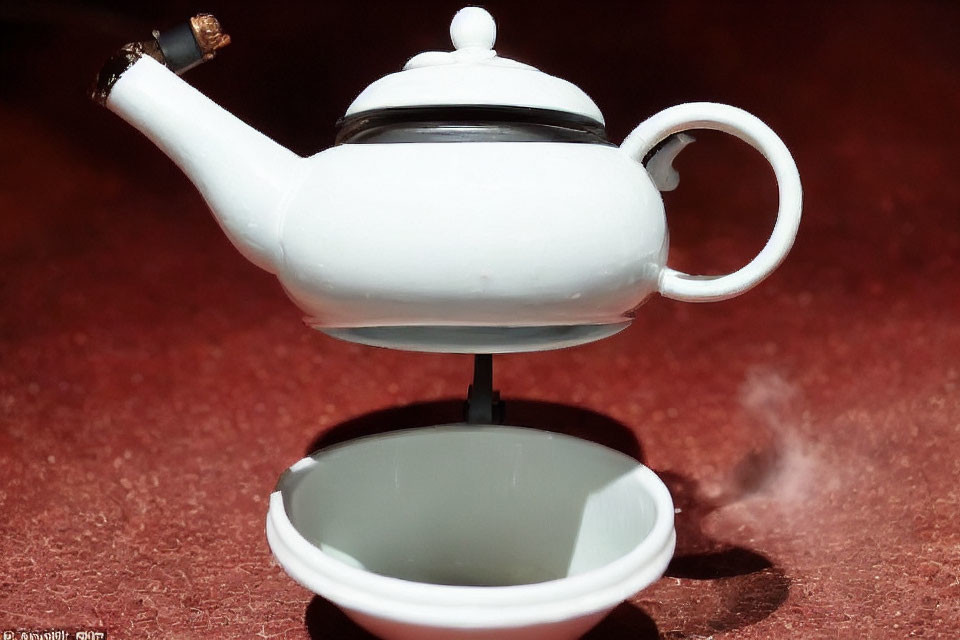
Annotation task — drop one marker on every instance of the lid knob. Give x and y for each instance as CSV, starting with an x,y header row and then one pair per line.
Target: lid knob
x,y
473,28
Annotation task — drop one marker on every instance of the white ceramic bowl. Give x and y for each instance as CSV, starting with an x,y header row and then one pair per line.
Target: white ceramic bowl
x,y
472,532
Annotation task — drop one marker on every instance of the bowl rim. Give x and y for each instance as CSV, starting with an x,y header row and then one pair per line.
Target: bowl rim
x,y
456,606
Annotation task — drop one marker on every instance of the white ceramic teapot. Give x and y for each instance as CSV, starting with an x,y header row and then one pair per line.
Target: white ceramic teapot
x,y
471,204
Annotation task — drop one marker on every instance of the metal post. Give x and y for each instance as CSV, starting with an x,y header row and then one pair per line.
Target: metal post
x,y
483,402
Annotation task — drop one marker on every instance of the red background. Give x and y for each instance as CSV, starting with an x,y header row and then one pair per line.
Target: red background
x,y
153,385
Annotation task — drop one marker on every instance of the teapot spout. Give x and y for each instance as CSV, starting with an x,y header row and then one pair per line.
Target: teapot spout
x,y
243,175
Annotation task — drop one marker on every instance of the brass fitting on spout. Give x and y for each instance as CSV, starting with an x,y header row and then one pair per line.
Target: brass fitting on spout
x,y
179,48
208,34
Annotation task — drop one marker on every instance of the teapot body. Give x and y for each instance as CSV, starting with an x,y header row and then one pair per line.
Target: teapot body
x,y
472,203
548,242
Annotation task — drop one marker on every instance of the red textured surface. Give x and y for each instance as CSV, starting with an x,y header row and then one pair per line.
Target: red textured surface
x,y
153,385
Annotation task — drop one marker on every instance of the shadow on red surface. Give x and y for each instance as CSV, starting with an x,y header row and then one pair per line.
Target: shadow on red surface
x,y
535,414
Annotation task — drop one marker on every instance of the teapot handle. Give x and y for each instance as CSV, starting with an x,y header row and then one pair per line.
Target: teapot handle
x,y
737,122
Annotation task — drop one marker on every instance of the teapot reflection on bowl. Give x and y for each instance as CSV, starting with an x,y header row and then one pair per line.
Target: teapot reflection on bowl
x,y
471,203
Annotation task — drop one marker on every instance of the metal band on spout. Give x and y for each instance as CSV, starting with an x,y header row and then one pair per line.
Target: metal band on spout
x,y
179,48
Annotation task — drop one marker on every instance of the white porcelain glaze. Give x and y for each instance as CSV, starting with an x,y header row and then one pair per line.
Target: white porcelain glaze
x,y
472,532
517,233
494,242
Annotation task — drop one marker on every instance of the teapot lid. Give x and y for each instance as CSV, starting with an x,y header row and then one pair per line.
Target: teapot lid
x,y
473,75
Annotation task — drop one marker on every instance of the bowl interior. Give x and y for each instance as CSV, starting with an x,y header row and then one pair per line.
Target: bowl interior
x,y
471,506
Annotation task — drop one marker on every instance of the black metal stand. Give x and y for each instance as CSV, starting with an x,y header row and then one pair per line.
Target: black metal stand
x,y
483,402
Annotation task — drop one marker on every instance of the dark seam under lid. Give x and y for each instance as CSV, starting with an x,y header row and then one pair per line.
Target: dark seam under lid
x,y
468,123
